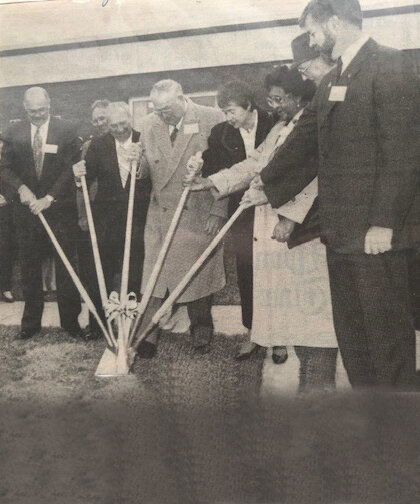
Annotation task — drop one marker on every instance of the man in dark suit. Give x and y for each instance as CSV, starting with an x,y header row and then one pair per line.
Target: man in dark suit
x,y
36,162
108,161
230,142
363,127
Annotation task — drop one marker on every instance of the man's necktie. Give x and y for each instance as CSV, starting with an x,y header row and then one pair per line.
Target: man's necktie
x,y
174,135
37,152
339,68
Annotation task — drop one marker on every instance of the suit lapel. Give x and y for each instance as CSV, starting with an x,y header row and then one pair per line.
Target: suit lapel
x,y
182,140
263,127
232,141
160,130
26,146
49,159
112,160
346,77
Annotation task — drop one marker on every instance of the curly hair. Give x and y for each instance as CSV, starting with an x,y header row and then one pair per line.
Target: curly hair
x,y
291,81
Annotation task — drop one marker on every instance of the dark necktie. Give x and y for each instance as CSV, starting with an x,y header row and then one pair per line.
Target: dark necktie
x,y
174,135
37,152
339,68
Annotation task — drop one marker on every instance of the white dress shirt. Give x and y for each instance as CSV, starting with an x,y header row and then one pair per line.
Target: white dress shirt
x,y
351,51
124,164
248,136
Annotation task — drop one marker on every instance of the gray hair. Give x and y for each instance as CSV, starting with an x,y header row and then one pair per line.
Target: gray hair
x,y
35,92
114,106
167,86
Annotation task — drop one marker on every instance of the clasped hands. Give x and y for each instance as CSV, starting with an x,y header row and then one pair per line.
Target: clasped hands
x,y
28,198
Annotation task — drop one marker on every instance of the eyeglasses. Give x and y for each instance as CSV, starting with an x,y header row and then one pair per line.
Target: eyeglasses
x,y
275,100
303,67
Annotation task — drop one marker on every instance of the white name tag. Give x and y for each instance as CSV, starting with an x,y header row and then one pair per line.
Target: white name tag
x,y
338,93
50,149
190,129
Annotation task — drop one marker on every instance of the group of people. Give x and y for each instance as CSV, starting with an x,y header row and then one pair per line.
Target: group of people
x,y
329,182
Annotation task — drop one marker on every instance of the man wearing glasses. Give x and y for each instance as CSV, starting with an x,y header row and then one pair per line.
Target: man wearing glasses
x,y
177,130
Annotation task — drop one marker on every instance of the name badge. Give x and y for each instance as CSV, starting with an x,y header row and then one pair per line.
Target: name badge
x,y
338,93
50,149
190,129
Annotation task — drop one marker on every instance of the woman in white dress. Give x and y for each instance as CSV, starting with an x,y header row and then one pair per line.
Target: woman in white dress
x,y
292,301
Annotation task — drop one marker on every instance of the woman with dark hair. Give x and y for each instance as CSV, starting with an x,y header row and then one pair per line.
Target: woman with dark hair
x,y
292,301
231,142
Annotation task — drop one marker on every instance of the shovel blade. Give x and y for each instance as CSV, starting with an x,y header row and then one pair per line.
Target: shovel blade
x,y
109,366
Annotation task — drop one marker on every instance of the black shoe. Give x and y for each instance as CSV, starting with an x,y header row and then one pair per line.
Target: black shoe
x,y
27,334
202,349
89,335
280,358
76,333
147,350
241,356
8,297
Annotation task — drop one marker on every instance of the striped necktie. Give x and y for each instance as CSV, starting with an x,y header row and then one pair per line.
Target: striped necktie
x,y
174,135
37,152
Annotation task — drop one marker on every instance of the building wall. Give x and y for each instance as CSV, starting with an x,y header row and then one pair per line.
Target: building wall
x,y
72,100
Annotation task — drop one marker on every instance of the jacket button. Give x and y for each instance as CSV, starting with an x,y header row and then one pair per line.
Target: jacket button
x,y
164,209
255,238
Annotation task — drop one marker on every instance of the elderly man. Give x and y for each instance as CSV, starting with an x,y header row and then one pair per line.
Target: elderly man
x,y
362,125
99,122
36,162
108,161
176,130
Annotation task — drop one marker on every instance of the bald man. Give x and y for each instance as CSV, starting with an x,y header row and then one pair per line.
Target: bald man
x,y
108,162
36,162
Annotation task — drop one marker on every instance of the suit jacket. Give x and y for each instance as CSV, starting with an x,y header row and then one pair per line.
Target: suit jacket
x,y
111,200
226,148
17,167
367,149
167,168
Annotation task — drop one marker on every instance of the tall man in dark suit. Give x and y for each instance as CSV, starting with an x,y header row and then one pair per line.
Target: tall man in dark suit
x,y
108,161
36,162
230,142
363,126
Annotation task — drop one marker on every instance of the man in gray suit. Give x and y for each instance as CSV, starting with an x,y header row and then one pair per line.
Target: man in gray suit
x,y
176,130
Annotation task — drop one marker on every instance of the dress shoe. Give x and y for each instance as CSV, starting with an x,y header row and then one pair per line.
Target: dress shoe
x,y
147,350
27,334
279,355
90,335
76,333
8,297
246,351
202,349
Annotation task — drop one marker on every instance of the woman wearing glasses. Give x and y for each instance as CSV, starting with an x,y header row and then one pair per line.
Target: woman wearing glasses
x,y
292,302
